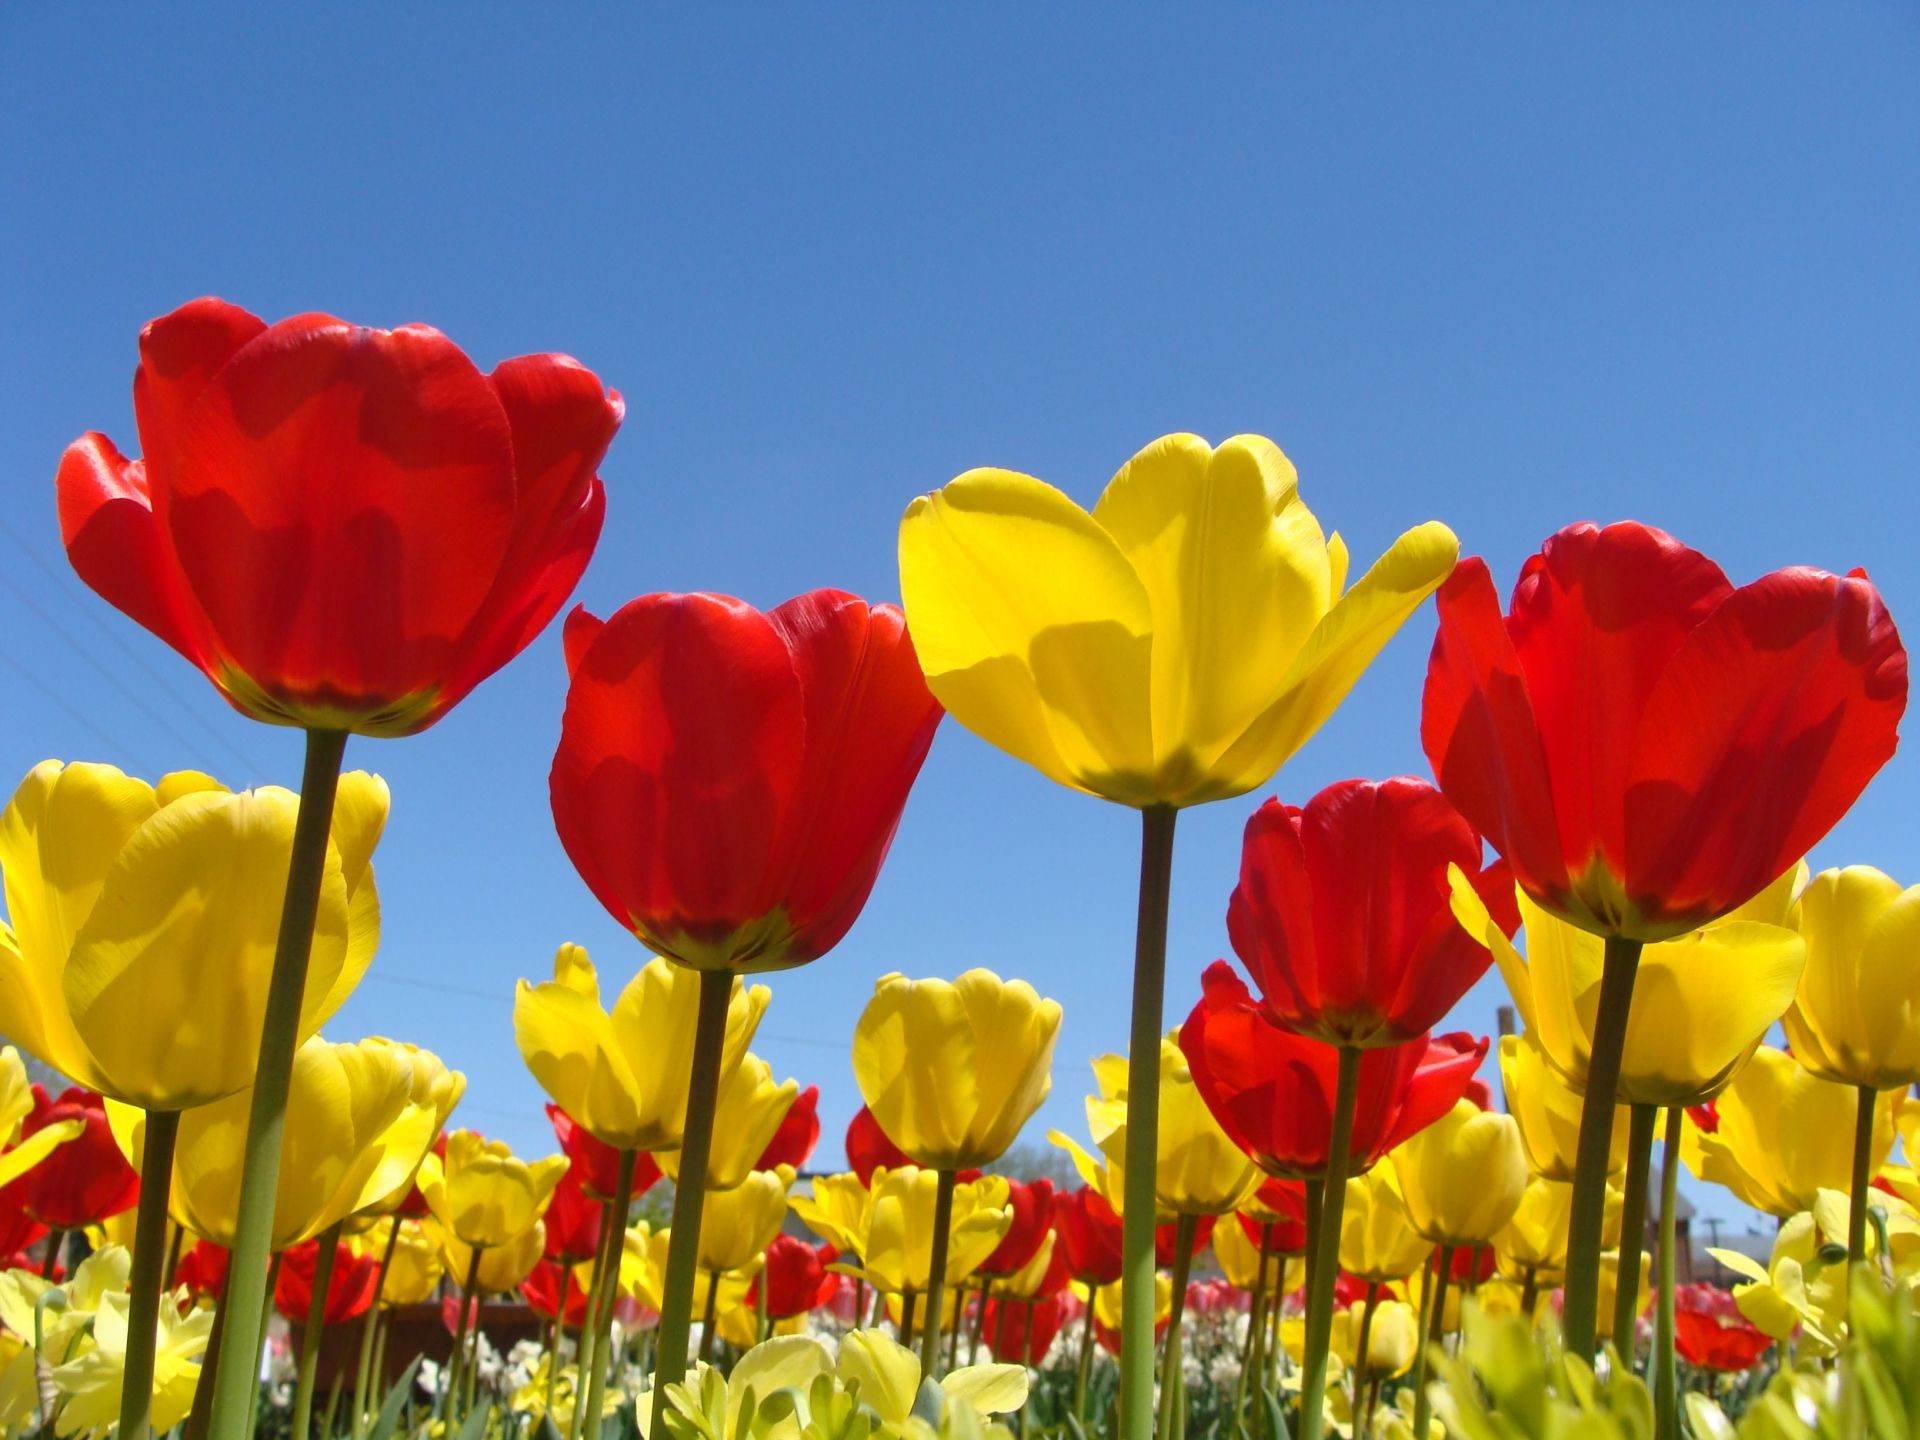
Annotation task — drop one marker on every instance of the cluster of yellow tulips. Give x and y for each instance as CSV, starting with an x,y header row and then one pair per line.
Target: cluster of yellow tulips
x,y
1646,750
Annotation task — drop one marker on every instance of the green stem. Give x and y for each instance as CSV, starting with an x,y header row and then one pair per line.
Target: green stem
x,y
959,1324
696,1143
1862,1175
559,1334
905,1328
363,1371
1326,1249
979,1323
1361,1346
201,1414
1633,1226
615,1225
50,1261
1171,1373
252,1362
1437,1323
937,1276
456,1366
1085,1370
1143,1124
266,1120
1588,1217
1256,1323
710,1316
149,1267
1666,1388
1529,1295
329,1245
585,1357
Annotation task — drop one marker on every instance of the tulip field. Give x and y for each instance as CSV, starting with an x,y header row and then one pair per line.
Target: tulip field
x,y
1304,1202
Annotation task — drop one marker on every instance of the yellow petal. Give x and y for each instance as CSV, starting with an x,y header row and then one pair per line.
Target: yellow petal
x,y
1858,1009
989,1389
568,1042
1033,629
36,1147
1338,652
359,818
886,1372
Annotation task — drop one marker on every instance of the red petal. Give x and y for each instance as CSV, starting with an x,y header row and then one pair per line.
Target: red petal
x,y
341,504
578,634
180,353
1270,916
116,545
1478,728
1439,1082
1766,727
679,754
1595,618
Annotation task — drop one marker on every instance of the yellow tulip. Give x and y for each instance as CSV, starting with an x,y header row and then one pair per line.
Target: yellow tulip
x,y
143,920
898,1248
1393,1339
1701,1002
1463,1175
353,1132
1547,1109
1377,1238
414,1272
643,1265
436,1088
1856,1018
483,1194
737,1225
1610,1282
1535,1239
1200,1171
91,1383
1026,1282
1800,1289
1784,1135
838,1211
1239,1255
1106,1300
1172,647
749,1109
501,1266
622,1075
953,1070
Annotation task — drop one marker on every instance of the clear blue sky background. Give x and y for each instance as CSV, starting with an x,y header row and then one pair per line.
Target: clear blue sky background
x,y
1505,266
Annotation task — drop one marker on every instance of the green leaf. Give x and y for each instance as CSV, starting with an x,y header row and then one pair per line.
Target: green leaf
x,y
388,1420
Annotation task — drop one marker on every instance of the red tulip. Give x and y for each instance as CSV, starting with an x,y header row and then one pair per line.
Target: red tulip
x,y
573,1223
1272,1091
1089,1236
1283,1237
1021,1332
544,1286
796,1277
1648,746
728,782
594,1164
344,528
1710,1332
1706,1116
350,1290
1342,913
83,1181
1470,1265
799,1132
1032,1204
203,1270
18,1229
869,1149
1217,1297
1166,1240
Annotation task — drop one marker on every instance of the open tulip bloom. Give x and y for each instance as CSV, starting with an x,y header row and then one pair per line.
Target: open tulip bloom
x,y
1175,645
1648,747
345,529
727,783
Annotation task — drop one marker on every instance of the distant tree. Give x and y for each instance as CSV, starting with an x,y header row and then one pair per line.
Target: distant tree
x,y
1031,1161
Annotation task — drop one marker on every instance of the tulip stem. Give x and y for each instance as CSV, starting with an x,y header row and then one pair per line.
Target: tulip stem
x,y
1436,1327
1666,1388
1326,1248
696,1143
1633,1226
979,1324
1862,1174
1171,1374
50,1262
1361,1346
267,1117
1085,1370
457,1365
709,1317
932,1329
1143,1123
363,1372
329,1244
614,1222
589,1348
202,1411
559,1334
1588,1216
149,1272
904,1330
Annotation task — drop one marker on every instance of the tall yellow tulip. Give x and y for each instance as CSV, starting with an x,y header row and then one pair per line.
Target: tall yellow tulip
x,y
1174,646
952,1070
414,1271
142,921
1701,1002
623,1074
1783,1135
1462,1176
482,1193
1377,1240
353,1132
898,1252
435,1087
749,1109
1547,1109
492,1269
1856,1017
838,1211
737,1224
1535,1239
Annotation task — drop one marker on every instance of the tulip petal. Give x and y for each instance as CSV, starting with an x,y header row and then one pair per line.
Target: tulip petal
x,y
1700,1005
22,1157
1338,652
1033,629
569,1044
989,1389
1807,677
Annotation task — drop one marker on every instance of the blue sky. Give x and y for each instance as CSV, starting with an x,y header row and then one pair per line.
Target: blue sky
x,y
1504,266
